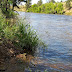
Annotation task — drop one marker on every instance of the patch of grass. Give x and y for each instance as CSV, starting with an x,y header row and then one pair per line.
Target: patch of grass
x,y
25,38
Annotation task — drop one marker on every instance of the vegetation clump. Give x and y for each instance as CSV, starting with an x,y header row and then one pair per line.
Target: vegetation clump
x,y
19,34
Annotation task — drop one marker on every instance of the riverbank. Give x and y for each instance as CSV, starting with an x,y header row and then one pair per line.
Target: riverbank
x,y
66,10
16,38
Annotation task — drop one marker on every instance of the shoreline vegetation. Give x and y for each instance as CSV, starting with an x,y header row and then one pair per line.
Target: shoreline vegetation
x,y
48,8
18,34
16,38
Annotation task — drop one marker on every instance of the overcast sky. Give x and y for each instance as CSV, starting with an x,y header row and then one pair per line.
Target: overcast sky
x,y
44,1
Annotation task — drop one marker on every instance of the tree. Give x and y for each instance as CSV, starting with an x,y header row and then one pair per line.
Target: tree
x,y
17,1
28,4
5,7
39,3
6,3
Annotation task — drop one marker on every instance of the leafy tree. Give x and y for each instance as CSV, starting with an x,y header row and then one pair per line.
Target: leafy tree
x,y
59,8
49,8
28,4
39,3
42,8
34,8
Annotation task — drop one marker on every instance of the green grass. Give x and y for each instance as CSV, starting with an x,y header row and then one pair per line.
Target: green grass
x,y
9,13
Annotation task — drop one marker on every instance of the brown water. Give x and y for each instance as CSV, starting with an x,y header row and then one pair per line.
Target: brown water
x,y
56,32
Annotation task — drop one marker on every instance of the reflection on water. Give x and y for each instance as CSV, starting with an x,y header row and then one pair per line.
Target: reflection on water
x,y
56,32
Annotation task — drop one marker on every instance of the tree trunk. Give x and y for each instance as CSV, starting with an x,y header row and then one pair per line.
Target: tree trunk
x,y
6,5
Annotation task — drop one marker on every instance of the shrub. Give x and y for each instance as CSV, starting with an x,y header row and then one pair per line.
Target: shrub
x,y
20,34
9,13
25,37
59,8
34,8
42,8
49,8
39,9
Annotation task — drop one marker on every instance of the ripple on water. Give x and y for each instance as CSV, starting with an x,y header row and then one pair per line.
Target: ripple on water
x,y
56,31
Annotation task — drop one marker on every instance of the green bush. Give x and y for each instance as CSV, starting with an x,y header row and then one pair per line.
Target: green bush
x,y
42,8
9,13
20,34
25,37
59,8
39,9
49,8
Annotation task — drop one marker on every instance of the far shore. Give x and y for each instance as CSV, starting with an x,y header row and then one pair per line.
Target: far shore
x,y
67,12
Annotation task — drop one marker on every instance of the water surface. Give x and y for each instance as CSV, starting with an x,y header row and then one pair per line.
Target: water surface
x,y
56,32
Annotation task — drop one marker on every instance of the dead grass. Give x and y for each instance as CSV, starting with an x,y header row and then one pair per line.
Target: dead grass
x,y
67,12
22,8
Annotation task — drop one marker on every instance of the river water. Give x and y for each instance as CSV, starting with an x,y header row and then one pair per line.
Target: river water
x,y
56,32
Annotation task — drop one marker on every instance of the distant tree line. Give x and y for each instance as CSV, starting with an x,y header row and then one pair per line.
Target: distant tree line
x,y
49,8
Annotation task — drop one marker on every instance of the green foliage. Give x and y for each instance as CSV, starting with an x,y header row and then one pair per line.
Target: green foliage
x,y
59,8
28,4
2,21
5,7
20,34
49,8
25,37
33,8
39,3
42,8
9,13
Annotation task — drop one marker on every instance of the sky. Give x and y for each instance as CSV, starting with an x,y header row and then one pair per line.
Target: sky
x,y
44,1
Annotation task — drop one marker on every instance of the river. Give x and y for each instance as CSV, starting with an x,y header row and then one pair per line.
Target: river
x,y
56,32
